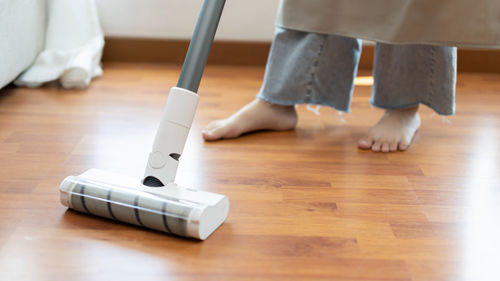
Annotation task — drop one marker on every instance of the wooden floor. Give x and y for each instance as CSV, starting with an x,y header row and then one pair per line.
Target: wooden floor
x,y
305,204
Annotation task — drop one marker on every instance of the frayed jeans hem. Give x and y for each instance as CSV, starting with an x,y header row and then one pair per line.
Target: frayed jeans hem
x,y
386,107
290,103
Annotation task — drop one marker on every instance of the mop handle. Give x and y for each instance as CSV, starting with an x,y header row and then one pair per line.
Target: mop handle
x,y
201,42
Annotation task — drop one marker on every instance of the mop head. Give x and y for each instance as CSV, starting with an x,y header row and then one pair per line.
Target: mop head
x,y
173,209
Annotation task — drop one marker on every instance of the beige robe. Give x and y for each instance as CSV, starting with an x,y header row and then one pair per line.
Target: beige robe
x,y
464,23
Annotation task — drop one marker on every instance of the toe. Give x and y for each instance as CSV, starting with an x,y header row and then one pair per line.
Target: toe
x,y
385,147
212,125
214,130
209,135
406,142
376,146
403,146
393,146
365,143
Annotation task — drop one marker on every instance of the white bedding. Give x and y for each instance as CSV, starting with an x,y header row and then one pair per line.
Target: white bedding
x,y
22,35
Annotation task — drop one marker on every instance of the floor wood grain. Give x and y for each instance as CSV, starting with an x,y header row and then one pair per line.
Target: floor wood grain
x,y
305,204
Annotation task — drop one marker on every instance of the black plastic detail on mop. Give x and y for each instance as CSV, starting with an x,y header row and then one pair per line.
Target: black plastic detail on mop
x,y
175,156
152,182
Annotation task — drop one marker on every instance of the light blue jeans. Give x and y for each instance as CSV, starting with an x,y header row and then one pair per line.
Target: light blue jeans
x,y
312,68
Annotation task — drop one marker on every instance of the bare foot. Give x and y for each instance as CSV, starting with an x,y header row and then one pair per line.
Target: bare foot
x,y
257,115
394,131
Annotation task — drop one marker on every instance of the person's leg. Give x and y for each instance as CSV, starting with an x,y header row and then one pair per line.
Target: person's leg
x,y
406,76
302,68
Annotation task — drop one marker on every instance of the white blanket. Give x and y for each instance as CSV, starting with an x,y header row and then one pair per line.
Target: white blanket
x,y
73,46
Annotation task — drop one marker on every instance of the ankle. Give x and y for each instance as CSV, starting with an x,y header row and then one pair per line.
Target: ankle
x,y
277,107
409,111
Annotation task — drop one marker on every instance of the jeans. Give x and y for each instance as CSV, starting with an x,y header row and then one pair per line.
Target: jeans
x,y
312,68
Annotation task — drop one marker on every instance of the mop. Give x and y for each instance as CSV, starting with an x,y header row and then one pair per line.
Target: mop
x,y
155,201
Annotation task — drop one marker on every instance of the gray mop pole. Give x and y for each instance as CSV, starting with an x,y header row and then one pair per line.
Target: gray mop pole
x,y
201,42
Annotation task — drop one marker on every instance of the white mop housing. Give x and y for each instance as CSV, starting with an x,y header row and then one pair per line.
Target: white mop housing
x,y
172,209
155,201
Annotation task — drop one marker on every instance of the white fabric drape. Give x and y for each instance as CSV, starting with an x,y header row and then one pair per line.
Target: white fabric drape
x,y
73,46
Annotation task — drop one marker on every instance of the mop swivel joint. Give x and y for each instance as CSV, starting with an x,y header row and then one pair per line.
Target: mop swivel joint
x,y
171,137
